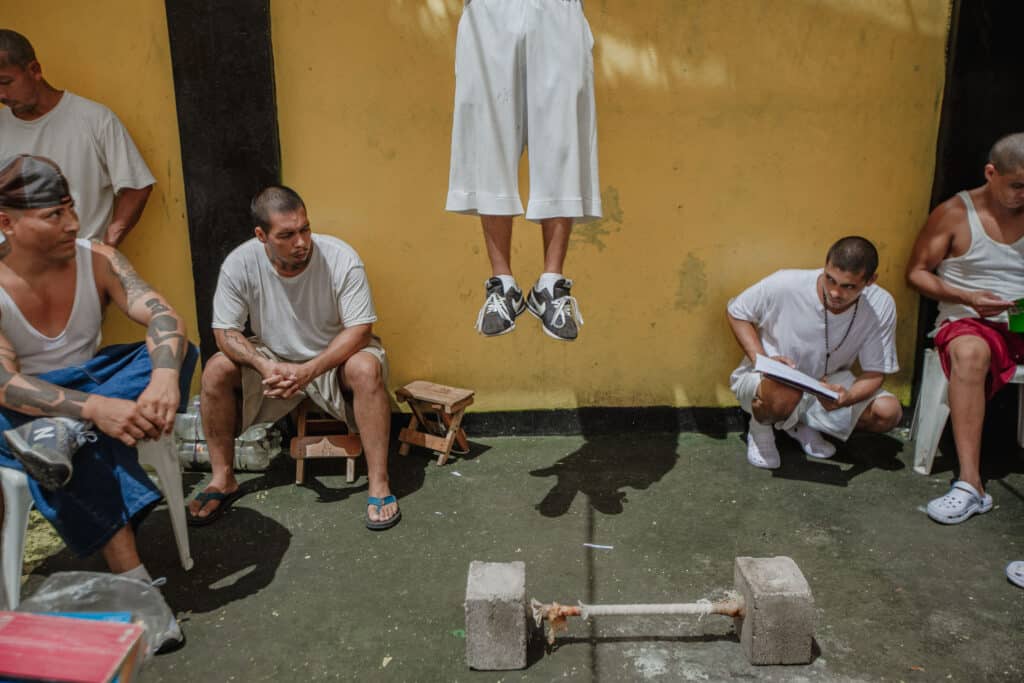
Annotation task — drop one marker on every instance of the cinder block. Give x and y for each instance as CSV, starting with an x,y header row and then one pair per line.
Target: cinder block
x,y
496,620
778,625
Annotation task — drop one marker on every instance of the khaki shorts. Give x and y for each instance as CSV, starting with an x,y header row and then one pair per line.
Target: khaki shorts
x,y
325,391
839,423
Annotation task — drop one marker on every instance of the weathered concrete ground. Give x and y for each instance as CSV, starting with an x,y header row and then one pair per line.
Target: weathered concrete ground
x,y
290,586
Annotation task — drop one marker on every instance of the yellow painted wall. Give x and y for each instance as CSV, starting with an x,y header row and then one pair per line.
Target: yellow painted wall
x,y
116,52
737,137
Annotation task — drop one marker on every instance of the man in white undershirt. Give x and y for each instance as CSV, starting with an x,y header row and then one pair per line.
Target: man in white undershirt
x,y
821,322
969,257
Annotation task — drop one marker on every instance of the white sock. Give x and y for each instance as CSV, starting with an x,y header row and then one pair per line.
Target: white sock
x,y
547,281
507,282
139,573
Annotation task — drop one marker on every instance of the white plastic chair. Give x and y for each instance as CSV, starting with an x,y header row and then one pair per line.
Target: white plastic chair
x,y
158,454
932,411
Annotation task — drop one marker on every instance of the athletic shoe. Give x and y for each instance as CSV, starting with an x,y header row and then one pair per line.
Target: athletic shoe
x,y
46,445
559,314
761,449
500,309
811,441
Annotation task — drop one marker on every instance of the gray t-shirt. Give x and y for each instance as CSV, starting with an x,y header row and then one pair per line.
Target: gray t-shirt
x,y
92,148
295,317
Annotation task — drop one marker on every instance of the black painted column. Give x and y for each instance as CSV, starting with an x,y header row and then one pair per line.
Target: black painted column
x,y
983,101
227,119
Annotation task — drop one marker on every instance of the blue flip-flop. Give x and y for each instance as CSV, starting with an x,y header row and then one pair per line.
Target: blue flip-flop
x,y
386,523
224,499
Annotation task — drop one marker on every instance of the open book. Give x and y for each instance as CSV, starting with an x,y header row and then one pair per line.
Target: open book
x,y
781,372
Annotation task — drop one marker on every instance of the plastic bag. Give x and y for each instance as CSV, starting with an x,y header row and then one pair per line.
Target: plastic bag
x,y
254,448
101,592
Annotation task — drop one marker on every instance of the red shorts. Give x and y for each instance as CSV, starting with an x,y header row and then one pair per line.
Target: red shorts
x,y
1007,348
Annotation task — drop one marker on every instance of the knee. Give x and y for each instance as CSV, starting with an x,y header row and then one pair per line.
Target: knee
x,y
886,414
220,372
362,373
969,355
777,401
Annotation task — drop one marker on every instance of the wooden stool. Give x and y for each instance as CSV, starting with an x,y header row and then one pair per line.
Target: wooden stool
x,y
320,436
449,403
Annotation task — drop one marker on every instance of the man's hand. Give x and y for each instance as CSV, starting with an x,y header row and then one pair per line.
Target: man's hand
x,y
120,419
785,361
284,380
159,402
840,402
987,304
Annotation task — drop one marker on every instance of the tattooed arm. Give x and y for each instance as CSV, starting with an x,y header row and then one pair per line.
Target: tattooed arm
x,y
165,334
32,396
234,345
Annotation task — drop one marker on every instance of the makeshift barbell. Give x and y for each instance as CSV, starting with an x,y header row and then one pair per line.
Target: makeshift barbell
x,y
773,611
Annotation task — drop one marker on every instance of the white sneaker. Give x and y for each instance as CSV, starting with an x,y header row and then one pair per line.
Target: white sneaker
x,y
811,441
761,449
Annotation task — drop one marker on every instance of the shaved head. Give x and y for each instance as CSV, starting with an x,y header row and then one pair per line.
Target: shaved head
x,y
1007,155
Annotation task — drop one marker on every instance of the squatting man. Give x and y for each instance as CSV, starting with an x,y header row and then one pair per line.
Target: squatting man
x,y
821,322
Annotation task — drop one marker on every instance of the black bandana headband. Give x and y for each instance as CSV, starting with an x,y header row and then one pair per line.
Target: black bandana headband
x,y
31,182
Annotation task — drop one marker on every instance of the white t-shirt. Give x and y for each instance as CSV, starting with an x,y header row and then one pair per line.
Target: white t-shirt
x,y
790,318
92,148
295,317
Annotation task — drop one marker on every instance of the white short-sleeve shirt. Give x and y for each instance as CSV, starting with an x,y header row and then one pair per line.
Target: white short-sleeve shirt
x,y
790,318
93,150
295,317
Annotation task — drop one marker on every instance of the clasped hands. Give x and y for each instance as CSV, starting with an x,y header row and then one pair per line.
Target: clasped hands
x,y
284,380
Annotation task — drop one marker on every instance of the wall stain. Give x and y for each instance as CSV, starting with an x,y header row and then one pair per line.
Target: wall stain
x,y
693,283
593,233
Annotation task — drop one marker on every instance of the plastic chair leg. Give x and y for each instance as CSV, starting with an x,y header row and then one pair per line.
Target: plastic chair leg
x,y
17,504
931,413
1020,415
160,456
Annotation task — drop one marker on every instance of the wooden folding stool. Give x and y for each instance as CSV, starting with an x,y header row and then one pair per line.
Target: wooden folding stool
x,y
322,436
449,403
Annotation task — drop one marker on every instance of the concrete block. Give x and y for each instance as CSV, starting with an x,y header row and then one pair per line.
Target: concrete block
x,y
496,616
778,624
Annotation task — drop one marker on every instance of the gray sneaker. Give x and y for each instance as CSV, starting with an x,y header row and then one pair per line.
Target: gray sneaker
x,y
500,309
559,314
46,445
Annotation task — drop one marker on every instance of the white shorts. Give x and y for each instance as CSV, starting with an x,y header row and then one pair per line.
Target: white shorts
x,y
524,75
838,423
325,391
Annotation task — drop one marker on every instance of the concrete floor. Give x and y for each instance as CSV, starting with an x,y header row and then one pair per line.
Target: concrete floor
x,y
290,586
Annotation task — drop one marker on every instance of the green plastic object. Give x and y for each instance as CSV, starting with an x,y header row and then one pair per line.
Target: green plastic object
x,y
1016,315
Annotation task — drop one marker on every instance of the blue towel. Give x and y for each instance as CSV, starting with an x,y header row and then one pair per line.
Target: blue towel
x,y
109,488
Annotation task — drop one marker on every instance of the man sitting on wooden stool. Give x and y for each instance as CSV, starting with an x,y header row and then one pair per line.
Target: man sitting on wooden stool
x,y
308,302
820,322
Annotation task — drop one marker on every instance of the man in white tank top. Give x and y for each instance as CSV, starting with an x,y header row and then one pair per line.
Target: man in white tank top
x,y
307,300
53,382
970,258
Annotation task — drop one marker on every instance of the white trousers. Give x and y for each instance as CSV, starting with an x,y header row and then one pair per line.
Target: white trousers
x,y
524,76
